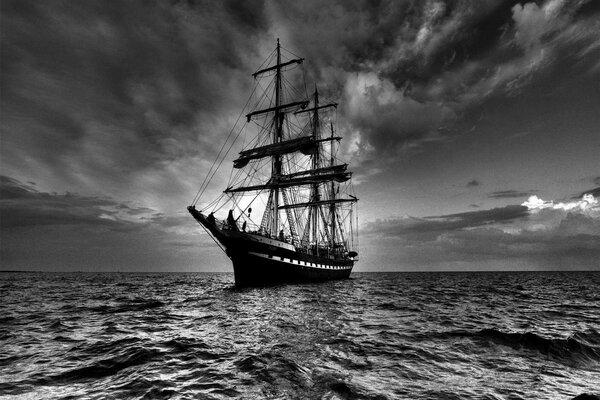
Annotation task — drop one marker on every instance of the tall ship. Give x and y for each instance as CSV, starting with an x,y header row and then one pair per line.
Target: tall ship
x,y
288,212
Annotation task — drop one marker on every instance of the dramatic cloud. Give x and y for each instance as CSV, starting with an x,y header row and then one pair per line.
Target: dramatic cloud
x,y
128,103
388,118
410,71
142,89
138,90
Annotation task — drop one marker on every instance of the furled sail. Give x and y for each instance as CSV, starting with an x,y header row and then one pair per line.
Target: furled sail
x,y
278,66
302,104
311,172
283,181
305,144
318,203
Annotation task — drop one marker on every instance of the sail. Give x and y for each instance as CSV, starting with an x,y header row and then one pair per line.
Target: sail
x,y
320,177
278,66
301,104
318,203
311,172
304,144
284,182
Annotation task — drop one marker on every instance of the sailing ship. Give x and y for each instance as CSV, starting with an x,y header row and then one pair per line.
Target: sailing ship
x,y
290,205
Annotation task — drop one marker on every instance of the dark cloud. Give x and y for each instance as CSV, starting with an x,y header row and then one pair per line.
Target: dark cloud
x,y
435,61
589,9
128,102
432,226
483,217
509,194
96,89
13,189
449,34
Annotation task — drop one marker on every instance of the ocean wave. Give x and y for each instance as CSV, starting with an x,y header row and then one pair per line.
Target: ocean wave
x,y
105,367
272,367
581,348
128,306
7,320
100,347
411,336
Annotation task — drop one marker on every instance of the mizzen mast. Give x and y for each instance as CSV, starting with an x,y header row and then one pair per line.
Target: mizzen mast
x,y
332,196
316,196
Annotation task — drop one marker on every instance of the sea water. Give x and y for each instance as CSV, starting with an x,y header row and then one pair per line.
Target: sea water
x,y
375,336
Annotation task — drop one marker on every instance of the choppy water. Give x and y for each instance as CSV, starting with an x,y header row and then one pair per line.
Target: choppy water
x,y
376,336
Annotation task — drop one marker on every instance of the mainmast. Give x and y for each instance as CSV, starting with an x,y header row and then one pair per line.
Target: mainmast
x,y
278,121
316,196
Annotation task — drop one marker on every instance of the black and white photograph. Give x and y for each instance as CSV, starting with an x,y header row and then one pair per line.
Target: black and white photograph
x,y
300,199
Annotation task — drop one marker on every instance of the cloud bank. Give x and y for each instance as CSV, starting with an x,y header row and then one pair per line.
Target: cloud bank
x,y
68,231
538,234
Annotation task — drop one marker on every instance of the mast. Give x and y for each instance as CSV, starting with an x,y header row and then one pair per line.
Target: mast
x,y
276,168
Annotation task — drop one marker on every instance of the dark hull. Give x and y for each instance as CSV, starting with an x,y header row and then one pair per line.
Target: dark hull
x,y
260,261
252,270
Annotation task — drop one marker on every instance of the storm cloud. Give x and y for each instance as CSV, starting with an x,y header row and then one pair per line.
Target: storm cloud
x,y
96,89
408,71
141,88
113,112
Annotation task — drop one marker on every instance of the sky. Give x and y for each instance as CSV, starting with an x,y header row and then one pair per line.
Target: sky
x,y
472,127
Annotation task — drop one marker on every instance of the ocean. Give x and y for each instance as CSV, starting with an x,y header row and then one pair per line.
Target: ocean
x,y
509,335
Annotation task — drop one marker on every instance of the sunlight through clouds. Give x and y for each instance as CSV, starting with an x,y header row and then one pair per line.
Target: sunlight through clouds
x,y
587,205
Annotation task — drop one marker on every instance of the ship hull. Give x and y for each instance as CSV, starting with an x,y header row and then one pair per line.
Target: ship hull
x,y
260,261
258,269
